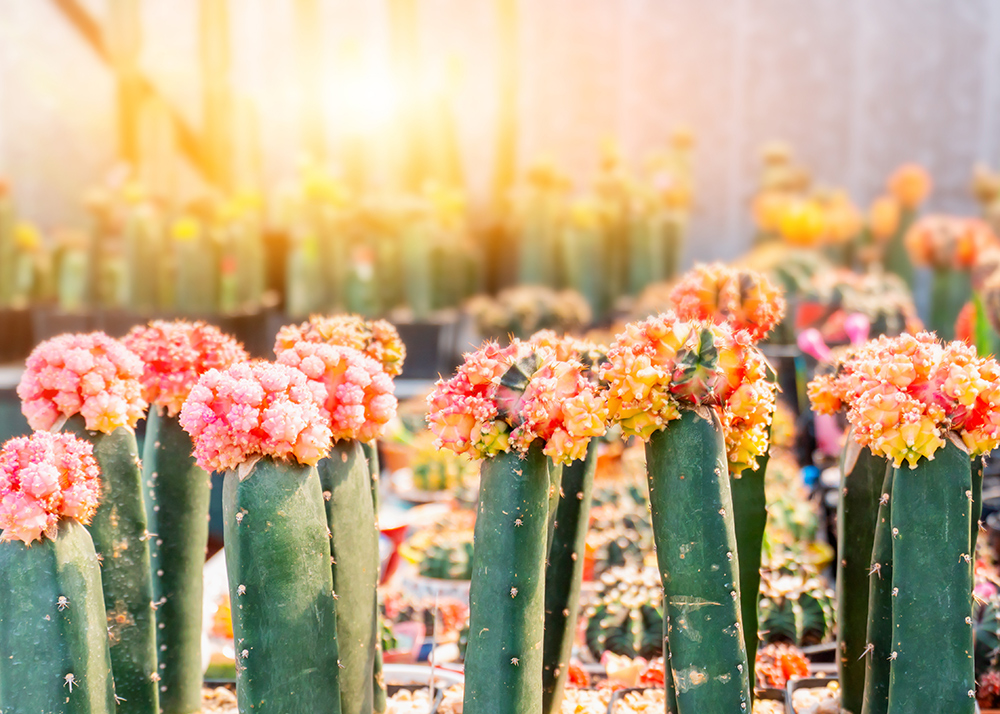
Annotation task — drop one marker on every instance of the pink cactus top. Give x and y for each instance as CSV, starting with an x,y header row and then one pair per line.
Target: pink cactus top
x,y
45,477
88,374
255,409
176,354
357,393
503,399
905,395
377,339
744,298
664,364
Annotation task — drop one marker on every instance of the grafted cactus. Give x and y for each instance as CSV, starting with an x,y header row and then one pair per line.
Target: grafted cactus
x,y
699,396
516,408
90,385
277,541
176,492
52,619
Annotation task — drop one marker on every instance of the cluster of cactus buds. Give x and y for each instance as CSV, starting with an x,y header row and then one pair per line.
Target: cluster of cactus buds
x,y
795,607
525,309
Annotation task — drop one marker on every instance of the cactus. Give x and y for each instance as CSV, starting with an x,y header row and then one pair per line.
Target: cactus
x,y
581,247
909,186
861,478
358,400
8,247
379,341
564,573
176,495
930,405
72,271
277,541
795,607
672,383
625,615
57,388
142,235
515,407
446,560
930,523
52,621
879,635
195,283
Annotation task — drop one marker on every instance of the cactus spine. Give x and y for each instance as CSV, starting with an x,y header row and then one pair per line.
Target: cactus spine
x,y
503,663
564,574
52,627
281,587
692,508
346,484
121,539
177,495
861,479
930,526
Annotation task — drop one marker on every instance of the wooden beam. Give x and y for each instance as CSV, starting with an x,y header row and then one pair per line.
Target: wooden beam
x,y
90,30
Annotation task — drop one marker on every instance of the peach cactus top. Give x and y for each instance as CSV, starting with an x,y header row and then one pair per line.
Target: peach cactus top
x,y
43,478
377,339
744,298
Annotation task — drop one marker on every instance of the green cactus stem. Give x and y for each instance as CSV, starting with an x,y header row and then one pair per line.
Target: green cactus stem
x,y
346,483
581,255
691,507
977,502
177,495
862,475
281,589
879,640
8,248
415,249
379,701
564,574
503,663
932,587
897,258
950,290
121,539
555,491
143,252
749,521
52,627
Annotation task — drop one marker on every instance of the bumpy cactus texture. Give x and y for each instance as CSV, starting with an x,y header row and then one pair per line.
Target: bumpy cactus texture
x,y
930,526
503,663
121,539
281,590
564,574
53,631
691,509
625,616
350,514
861,477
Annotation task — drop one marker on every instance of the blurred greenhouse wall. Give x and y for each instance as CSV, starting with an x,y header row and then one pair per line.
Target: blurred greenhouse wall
x,y
856,86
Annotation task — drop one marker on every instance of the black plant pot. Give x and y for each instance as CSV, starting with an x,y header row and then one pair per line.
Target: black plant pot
x,y
48,321
16,334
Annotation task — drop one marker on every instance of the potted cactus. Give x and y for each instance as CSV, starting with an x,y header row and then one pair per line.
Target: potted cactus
x,y
516,408
176,493
52,621
90,385
909,186
277,540
699,396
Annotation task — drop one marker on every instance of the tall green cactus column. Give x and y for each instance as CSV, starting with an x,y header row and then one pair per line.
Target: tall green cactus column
x,y
52,627
177,496
379,702
346,484
564,575
121,539
879,640
503,663
932,647
692,509
281,589
749,521
862,475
